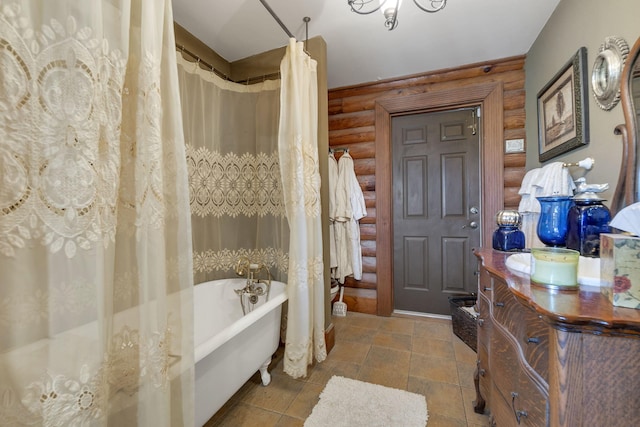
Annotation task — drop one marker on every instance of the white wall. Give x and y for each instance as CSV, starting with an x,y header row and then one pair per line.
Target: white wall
x,y
573,24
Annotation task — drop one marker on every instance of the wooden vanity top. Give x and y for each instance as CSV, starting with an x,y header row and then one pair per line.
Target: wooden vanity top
x,y
583,310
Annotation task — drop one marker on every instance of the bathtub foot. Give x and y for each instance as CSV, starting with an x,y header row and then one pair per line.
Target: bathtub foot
x,y
264,373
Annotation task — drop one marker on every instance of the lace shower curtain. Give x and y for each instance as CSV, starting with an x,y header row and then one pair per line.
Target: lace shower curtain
x,y
298,150
96,303
231,135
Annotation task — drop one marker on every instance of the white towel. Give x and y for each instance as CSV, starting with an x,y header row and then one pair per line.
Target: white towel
x,y
556,180
551,180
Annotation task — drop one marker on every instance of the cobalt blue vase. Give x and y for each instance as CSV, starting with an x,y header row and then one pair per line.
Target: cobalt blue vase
x,y
553,222
508,237
587,219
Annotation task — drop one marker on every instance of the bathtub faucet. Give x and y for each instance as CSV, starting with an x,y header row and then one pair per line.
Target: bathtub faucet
x,y
244,267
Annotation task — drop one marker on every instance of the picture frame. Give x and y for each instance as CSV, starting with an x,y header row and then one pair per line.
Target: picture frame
x,y
563,109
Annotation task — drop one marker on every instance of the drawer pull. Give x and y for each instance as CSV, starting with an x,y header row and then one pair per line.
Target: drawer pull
x,y
480,322
499,304
486,289
482,372
518,414
534,340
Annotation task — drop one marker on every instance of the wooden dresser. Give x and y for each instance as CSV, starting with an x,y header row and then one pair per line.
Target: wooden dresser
x,y
553,358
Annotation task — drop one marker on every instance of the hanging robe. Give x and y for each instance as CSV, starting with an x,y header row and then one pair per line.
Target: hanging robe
x,y
350,208
333,183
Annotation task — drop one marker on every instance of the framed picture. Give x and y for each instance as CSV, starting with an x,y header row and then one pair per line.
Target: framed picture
x,y
563,109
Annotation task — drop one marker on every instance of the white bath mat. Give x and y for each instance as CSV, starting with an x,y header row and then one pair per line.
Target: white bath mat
x,y
350,403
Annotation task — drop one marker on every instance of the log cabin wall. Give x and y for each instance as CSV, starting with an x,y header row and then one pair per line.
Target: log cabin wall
x,y
352,124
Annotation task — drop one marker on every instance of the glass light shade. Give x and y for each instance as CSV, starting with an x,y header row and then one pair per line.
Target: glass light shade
x,y
389,4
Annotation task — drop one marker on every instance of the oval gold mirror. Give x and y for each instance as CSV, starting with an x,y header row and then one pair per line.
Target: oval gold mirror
x,y
627,191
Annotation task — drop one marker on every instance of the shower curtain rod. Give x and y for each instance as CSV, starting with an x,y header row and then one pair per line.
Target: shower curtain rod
x,y
273,14
222,75
219,73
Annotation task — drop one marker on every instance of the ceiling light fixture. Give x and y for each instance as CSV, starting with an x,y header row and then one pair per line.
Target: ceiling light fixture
x,y
389,8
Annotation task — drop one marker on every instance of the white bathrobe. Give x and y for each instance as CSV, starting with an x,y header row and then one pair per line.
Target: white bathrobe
x,y
350,208
333,185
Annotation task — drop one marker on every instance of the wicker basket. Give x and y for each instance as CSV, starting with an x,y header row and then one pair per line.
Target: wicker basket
x,y
464,323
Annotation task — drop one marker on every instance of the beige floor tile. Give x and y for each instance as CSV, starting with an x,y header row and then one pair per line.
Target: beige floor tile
x,y
385,377
244,415
464,353
433,328
366,321
434,369
397,325
437,420
391,340
286,421
322,372
222,412
442,399
417,354
348,351
277,396
387,359
304,402
355,334
433,347
466,372
468,399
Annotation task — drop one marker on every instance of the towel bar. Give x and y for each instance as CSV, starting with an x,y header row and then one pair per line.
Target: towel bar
x,y
585,163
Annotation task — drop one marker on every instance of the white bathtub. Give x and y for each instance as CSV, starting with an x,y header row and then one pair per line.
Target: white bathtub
x,y
230,347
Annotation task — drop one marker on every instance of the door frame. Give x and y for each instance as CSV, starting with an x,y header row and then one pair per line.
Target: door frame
x,y
489,96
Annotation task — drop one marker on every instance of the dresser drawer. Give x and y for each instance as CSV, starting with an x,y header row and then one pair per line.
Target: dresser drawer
x,y
484,284
484,320
530,403
528,330
504,364
535,343
484,373
525,401
506,309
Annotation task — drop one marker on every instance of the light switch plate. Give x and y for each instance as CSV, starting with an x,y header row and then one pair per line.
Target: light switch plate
x,y
514,146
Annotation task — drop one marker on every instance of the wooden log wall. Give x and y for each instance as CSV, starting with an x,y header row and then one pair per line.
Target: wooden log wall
x,y
352,125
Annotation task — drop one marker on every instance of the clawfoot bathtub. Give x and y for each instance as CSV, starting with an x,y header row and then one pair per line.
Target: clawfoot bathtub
x,y
229,346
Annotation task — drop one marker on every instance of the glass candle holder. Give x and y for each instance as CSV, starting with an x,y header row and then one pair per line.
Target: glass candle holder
x,y
555,267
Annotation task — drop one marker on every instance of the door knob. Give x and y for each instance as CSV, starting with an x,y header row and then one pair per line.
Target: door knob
x,y
472,224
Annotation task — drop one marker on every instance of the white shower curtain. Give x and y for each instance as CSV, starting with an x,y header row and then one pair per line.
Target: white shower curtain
x,y
96,303
298,151
231,136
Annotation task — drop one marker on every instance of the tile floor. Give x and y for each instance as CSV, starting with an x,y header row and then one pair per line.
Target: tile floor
x,y
421,355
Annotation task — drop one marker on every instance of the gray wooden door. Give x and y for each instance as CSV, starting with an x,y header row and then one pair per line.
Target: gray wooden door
x,y
436,211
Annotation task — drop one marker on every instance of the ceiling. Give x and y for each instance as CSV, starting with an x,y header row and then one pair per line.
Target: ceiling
x,y
359,48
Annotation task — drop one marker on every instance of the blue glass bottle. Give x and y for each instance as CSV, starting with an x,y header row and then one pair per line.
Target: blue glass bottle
x,y
552,225
508,237
587,219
